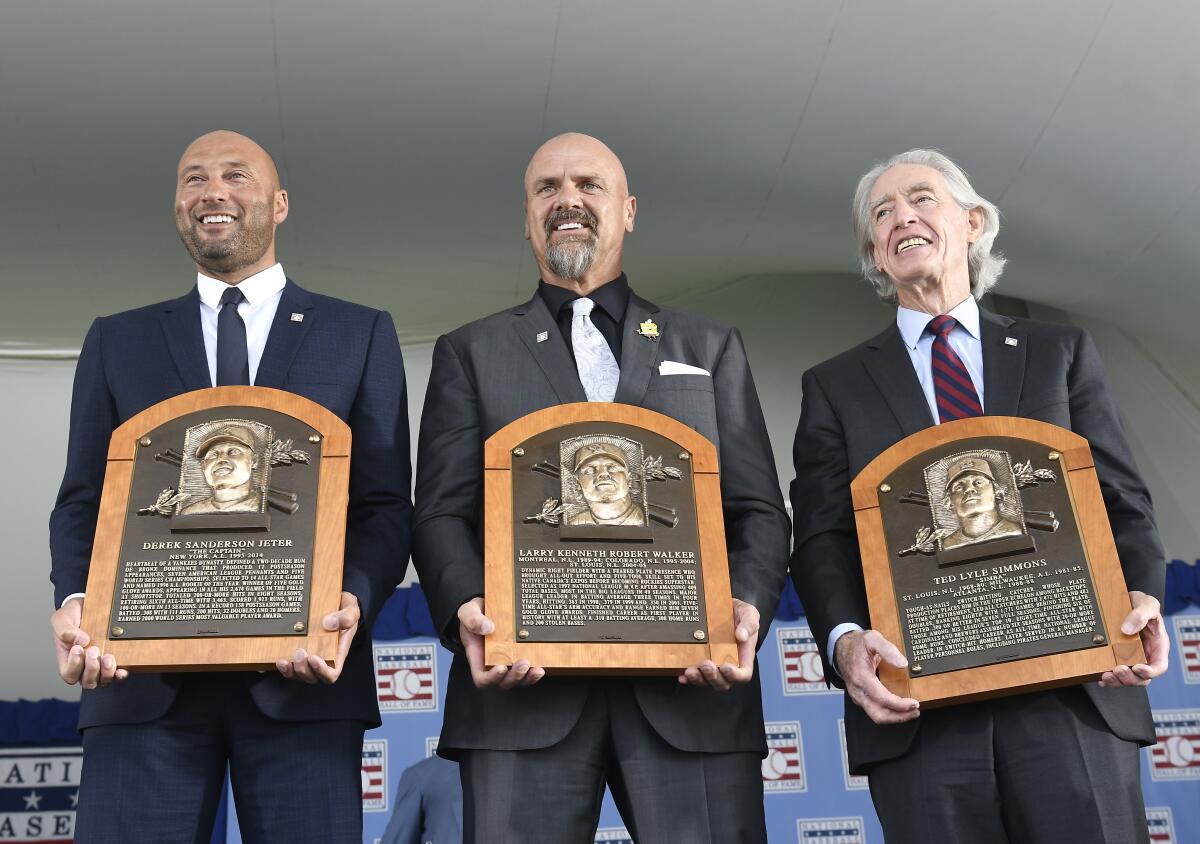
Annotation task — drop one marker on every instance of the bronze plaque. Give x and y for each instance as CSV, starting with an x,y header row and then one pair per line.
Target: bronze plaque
x,y
988,560
988,565
605,543
222,520
605,540
222,543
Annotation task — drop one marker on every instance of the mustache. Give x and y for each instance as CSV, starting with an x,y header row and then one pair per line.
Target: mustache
x,y
575,215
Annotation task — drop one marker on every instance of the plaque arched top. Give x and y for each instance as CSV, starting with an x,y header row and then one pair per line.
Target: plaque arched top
x,y
1074,451
334,432
497,451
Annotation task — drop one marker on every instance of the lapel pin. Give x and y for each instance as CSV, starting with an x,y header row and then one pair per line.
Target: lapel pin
x,y
1010,341
297,317
648,329
543,336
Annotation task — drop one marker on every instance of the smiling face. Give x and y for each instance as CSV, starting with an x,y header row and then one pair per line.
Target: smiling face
x,y
227,205
920,235
603,479
577,211
227,464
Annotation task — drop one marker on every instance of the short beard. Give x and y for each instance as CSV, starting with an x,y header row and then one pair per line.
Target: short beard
x,y
245,247
571,259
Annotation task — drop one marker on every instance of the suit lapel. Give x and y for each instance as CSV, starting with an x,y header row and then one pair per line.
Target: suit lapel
x,y
285,336
181,324
637,352
890,367
533,320
1003,363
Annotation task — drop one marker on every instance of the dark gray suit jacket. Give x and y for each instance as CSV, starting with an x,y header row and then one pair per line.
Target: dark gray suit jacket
x,y
867,399
490,372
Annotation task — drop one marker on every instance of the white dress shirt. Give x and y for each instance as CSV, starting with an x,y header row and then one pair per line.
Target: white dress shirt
x,y
964,338
262,291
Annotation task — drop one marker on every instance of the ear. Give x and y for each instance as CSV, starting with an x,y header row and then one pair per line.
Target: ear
x,y
281,206
974,224
630,212
525,206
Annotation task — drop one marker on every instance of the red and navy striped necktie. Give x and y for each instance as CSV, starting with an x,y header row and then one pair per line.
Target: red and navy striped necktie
x,y
952,386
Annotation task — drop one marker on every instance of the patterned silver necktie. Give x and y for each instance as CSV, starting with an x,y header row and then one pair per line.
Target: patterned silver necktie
x,y
598,369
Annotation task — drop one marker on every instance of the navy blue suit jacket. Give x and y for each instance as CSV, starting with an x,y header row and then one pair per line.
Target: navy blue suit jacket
x,y
343,356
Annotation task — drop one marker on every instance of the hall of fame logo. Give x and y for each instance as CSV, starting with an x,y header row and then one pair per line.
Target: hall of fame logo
x,y
800,662
1177,754
374,776
431,743
1187,636
783,769
1161,825
406,677
39,790
613,835
853,782
830,831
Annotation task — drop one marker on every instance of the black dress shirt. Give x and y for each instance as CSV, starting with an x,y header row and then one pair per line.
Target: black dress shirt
x,y
608,316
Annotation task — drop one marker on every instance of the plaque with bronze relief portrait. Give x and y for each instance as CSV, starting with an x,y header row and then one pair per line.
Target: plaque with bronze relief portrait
x,y
604,543
989,561
220,536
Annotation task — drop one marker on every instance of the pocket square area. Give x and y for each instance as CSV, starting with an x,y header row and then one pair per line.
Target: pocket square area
x,y
671,367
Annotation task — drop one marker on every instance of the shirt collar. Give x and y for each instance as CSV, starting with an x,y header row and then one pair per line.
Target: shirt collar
x,y
912,323
612,297
257,288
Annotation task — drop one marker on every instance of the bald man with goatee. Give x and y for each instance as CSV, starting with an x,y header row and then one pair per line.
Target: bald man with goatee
x,y
157,746
681,755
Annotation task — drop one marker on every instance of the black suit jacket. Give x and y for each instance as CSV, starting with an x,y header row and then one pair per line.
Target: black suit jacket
x,y
343,356
490,372
867,399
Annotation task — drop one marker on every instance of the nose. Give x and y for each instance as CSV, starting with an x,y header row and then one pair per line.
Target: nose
x,y
215,191
568,196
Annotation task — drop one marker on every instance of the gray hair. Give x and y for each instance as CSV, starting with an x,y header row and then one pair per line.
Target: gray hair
x,y
984,266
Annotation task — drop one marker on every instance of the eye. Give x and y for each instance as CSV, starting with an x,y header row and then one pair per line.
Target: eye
x,y
239,175
923,199
192,179
881,213
591,186
545,189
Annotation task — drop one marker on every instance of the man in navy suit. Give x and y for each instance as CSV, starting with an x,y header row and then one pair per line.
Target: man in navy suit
x,y
157,745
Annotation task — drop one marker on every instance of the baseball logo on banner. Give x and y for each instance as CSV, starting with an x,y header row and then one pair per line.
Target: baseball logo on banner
x,y
853,783
1177,754
39,790
800,662
406,677
783,769
830,831
613,835
374,776
1160,824
1187,635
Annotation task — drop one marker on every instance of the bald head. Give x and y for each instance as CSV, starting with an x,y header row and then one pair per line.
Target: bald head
x,y
235,147
227,204
577,211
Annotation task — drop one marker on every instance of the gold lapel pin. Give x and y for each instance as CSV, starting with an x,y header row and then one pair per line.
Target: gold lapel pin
x,y
648,329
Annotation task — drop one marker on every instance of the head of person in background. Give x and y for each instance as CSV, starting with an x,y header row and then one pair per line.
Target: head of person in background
x,y
577,211
923,232
228,201
228,457
975,499
602,470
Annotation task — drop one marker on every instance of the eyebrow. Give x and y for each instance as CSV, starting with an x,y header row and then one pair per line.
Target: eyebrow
x,y
225,164
909,191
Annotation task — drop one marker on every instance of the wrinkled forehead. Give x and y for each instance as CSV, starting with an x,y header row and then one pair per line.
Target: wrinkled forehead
x,y
905,179
221,149
572,157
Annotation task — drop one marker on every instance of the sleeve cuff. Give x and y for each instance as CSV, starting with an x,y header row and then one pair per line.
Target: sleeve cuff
x,y
835,634
69,597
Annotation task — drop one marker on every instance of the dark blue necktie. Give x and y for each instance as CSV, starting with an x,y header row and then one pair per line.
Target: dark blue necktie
x,y
952,384
233,362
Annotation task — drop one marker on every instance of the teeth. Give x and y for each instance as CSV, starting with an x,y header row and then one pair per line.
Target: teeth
x,y
216,218
910,243
565,226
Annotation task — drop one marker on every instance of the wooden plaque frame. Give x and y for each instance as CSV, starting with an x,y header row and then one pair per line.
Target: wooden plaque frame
x,y
1100,555
224,653
502,647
